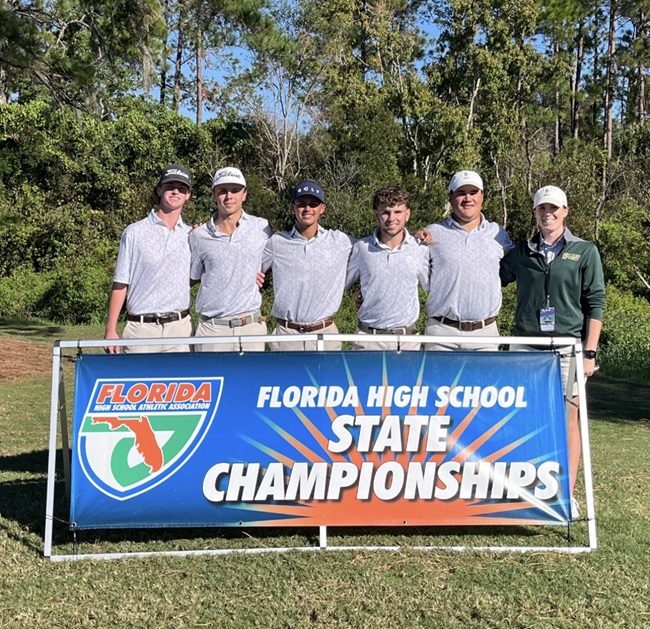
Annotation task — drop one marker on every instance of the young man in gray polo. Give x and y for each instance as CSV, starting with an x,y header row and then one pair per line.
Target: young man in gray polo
x,y
226,258
465,291
389,264
152,271
309,265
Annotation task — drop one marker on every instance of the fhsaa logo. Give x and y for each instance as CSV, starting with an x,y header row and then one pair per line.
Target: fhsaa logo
x,y
135,434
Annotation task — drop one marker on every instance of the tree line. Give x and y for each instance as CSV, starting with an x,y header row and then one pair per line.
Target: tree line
x,y
354,93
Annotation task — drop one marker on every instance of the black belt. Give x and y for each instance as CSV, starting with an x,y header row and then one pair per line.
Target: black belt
x,y
160,318
466,326
410,329
306,328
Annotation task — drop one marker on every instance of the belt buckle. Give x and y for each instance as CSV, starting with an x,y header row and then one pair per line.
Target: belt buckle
x,y
465,326
158,319
236,323
301,329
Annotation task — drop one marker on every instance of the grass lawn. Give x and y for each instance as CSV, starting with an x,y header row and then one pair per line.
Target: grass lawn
x,y
607,588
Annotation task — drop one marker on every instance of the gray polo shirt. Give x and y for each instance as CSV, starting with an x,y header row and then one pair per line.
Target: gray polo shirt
x,y
308,275
389,280
227,266
465,283
155,262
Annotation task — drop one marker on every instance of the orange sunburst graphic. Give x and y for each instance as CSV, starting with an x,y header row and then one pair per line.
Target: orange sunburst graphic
x,y
371,499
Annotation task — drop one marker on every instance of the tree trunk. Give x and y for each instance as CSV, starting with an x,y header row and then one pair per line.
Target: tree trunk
x,y
609,108
178,63
576,79
199,75
640,76
3,87
165,53
557,139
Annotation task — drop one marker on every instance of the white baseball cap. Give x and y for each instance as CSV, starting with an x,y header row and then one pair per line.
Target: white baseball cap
x,y
228,175
550,194
465,178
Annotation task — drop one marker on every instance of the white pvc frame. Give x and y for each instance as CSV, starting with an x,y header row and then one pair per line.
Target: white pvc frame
x,y
58,410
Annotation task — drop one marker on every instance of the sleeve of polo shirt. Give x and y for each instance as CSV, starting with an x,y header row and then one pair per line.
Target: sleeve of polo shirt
x,y
504,240
507,269
353,268
424,272
267,256
593,286
122,273
345,242
196,263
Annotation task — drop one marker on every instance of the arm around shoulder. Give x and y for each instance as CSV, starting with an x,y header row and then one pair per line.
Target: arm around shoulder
x,y
508,267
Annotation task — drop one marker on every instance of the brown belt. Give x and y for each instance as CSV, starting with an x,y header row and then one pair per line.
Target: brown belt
x,y
160,318
410,329
306,328
466,326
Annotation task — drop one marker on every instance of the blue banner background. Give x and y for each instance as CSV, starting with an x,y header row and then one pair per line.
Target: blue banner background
x,y
242,432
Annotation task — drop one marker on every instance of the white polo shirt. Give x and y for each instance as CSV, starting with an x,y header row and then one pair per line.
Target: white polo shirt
x,y
308,275
465,284
389,280
155,263
227,267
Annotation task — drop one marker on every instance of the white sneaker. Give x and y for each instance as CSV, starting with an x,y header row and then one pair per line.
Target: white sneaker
x,y
575,509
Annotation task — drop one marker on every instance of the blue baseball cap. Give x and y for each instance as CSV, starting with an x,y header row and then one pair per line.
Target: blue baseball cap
x,y
308,188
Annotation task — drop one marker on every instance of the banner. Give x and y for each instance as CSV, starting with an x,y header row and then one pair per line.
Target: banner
x,y
319,438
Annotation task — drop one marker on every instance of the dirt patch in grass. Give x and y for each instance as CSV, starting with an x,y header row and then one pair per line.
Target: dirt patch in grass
x,y
21,360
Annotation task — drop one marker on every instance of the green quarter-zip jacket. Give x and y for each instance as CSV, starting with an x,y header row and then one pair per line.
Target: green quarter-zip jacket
x,y
572,283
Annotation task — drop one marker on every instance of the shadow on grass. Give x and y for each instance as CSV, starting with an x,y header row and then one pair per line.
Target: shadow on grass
x,y
28,328
616,399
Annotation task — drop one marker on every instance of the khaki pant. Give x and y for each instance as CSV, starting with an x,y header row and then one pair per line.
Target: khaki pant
x,y
299,346
385,345
139,330
436,328
208,328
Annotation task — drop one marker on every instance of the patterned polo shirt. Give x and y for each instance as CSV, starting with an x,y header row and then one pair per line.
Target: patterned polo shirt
x,y
227,266
465,283
308,275
389,280
155,263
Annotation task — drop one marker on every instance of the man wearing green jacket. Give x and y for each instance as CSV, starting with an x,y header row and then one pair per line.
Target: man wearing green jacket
x,y
560,292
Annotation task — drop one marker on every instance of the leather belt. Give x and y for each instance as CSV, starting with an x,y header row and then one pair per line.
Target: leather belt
x,y
235,322
466,326
306,328
159,318
410,329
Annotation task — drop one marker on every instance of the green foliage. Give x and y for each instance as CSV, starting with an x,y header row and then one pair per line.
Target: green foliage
x,y
78,292
625,247
22,292
625,340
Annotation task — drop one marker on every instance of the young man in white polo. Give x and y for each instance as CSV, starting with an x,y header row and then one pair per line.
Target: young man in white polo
x,y
309,264
226,258
152,271
465,292
389,265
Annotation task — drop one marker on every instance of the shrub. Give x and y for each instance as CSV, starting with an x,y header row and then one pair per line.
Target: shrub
x,y
22,291
625,340
78,292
